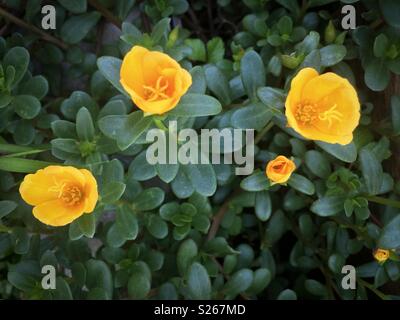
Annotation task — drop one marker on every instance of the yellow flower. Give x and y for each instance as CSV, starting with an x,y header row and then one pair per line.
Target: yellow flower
x,y
381,255
155,81
280,169
60,194
322,107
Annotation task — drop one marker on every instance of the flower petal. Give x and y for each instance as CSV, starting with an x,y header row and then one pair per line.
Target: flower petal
x,y
38,187
90,191
56,214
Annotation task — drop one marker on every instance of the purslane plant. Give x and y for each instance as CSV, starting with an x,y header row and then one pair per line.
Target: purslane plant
x,y
78,193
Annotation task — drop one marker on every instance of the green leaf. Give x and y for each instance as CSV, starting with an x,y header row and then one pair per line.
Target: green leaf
x,y
186,254
346,153
256,182
181,185
390,235
263,206
112,192
63,290
380,45
261,279
272,97
372,171
395,106
139,283
196,105
36,86
317,163
160,30
252,72
76,28
27,107
99,276
215,50
6,207
75,6
22,165
84,125
332,54
157,227
140,169
149,199
87,224
218,247
5,100
239,282
75,102
301,184
74,231
285,25
199,84
218,84
391,11
202,177
110,69
66,145
167,172
18,58
254,116
198,49
377,75
328,206
115,238
126,222
287,294
198,282
125,129
315,287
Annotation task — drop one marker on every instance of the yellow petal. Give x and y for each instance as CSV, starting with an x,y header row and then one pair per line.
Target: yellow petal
x,y
37,188
55,213
132,70
90,191
319,87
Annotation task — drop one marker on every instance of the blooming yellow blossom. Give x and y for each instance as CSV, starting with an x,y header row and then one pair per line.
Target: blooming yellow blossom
x,y
322,107
155,81
60,194
280,169
381,255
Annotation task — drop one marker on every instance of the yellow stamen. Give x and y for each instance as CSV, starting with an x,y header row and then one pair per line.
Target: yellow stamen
x,y
157,92
330,115
70,194
306,112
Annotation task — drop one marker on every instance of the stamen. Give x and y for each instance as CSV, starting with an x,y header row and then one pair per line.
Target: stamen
x,y
306,112
153,94
68,193
71,195
330,115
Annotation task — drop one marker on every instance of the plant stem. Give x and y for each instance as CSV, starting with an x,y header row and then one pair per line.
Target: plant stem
x,y
220,215
160,124
372,288
4,229
106,13
384,201
45,36
263,132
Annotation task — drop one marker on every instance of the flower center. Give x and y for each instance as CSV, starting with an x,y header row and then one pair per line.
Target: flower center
x,y
69,193
306,113
157,92
279,167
